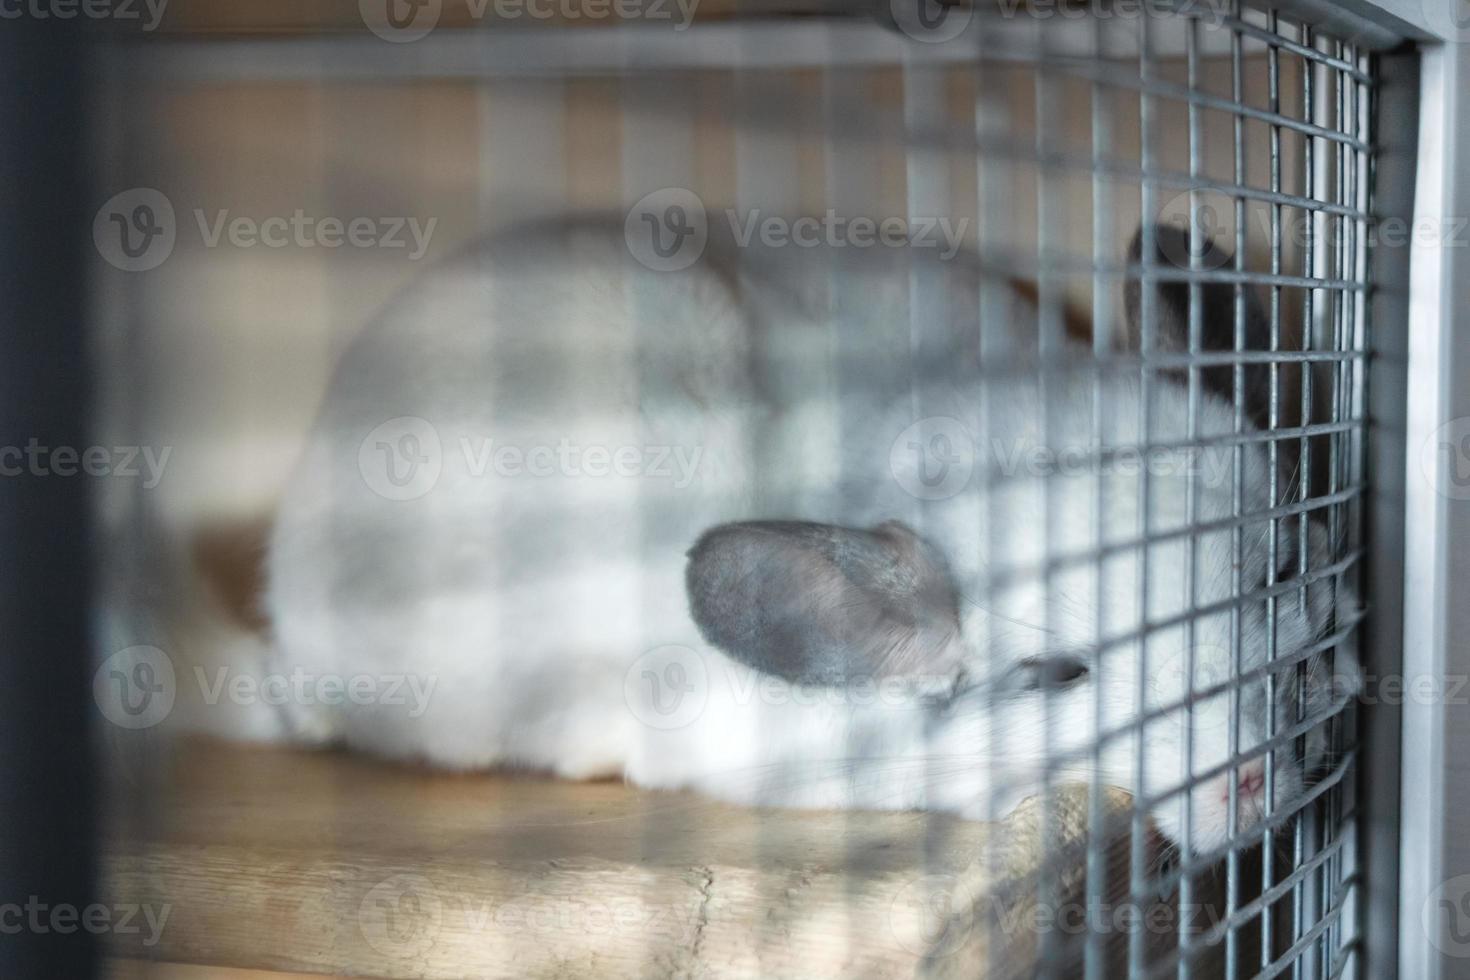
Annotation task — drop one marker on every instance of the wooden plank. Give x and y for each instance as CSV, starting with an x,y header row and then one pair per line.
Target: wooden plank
x,y
292,860
153,970
289,860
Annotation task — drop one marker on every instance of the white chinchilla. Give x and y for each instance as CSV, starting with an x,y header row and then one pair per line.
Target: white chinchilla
x,y
758,528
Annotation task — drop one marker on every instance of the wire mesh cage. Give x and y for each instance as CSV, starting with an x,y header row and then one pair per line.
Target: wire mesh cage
x,y
1037,335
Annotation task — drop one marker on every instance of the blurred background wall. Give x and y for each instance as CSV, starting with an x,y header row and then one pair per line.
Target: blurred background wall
x,y
222,352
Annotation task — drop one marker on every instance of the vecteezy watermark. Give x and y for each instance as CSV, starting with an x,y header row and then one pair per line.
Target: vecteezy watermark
x,y
135,688
303,687
835,231
402,21
1444,459
931,21
669,687
403,916
136,230
1450,17
310,231
1211,13
34,459
149,12
1175,680
1445,917
1075,918
404,458
63,918
1298,227
936,457
668,229
933,458
1019,457
1422,689
933,915
934,21
675,463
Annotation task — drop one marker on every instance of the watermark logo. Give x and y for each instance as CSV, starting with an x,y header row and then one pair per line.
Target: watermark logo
x,y
402,458
400,21
1451,18
63,918
1176,243
115,10
404,915
135,230
667,230
130,462
1446,917
303,687
833,230
677,464
135,688
1176,693
933,915
1211,13
1299,227
303,230
1400,689
933,458
930,21
1074,918
1444,459
667,687
1206,466
401,916
670,686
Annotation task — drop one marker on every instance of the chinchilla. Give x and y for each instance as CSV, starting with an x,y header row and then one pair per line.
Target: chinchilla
x,y
817,527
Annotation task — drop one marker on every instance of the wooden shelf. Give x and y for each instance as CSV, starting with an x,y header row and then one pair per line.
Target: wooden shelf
x,y
292,861
326,862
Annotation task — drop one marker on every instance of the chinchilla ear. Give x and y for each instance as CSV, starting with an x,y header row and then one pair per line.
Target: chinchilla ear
x,y
821,604
1217,314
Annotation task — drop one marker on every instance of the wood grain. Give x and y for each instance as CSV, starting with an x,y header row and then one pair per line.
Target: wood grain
x,y
324,862
155,970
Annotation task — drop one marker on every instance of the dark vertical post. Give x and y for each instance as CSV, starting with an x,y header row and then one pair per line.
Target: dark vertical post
x,y
1381,650
47,779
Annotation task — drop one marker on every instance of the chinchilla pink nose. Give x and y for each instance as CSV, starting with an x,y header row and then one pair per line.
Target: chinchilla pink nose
x,y
1252,779
1250,782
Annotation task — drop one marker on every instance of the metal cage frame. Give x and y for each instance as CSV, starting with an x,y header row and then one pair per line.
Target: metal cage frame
x,y
1416,543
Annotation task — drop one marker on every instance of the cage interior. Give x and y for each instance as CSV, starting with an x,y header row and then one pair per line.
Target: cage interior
x,y
1165,214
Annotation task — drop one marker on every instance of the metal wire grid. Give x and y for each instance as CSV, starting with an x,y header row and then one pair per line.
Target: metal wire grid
x,y
1313,936
1335,114
1295,902
1306,853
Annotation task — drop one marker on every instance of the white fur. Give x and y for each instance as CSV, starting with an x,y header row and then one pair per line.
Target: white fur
x,y
528,599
